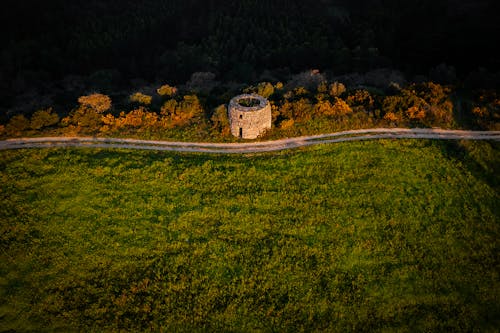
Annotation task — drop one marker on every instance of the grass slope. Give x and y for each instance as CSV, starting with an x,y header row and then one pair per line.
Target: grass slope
x,y
362,236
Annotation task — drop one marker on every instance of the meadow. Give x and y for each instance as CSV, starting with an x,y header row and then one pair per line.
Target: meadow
x,y
388,235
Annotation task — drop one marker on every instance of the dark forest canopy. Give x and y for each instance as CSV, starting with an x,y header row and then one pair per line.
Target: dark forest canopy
x,y
154,39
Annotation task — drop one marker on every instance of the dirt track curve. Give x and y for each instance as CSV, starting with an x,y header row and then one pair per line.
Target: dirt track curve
x,y
251,147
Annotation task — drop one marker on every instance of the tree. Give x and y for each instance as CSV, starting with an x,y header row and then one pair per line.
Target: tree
x,y
97,102
17,125
361,99
265,89
220,120
43,118
337,89
141,98
179,113
166,91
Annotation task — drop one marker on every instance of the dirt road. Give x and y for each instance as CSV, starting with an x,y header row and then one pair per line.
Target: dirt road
x,y
251,147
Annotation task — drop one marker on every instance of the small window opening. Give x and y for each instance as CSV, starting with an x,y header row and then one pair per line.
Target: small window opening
x,y
241,132
241,116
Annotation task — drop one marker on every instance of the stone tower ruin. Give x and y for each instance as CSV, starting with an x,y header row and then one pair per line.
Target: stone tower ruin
x,y
249,116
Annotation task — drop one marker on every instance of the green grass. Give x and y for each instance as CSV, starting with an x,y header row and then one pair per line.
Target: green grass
x,y
362,236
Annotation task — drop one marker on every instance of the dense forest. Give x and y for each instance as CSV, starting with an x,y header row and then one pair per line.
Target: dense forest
x,y
54,51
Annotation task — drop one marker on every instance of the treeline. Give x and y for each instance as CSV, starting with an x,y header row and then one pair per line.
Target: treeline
x,y
308,103
112,42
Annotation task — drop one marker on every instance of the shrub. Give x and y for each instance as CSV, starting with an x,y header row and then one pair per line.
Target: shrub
x,y
220,120
323,107
391,116
265,89
340,107
297,110
43,118
287,123
415,113
17,125
85,118
179,113
137,118
361,99
337,89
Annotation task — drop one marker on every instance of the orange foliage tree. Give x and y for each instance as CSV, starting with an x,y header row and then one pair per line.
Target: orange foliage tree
x,y
176,113
141,98
166,90
98,102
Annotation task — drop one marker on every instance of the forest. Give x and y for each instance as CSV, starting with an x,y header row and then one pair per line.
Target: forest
x,y
55,51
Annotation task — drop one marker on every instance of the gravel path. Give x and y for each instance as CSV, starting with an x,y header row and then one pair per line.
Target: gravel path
x,y
251,147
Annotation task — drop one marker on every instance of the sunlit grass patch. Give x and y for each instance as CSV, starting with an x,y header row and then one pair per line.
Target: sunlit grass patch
x,y
355,236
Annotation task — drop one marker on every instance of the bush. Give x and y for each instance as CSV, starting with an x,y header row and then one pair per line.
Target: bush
x,y
337,89
179,113
85,119
297,110
361,99
43,118
17,125
340,108
220,120
265,89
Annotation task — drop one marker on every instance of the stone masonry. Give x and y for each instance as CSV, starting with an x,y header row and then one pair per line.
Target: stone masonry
x,y
248,122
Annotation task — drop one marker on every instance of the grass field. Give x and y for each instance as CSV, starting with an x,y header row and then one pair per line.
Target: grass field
x,y
363,236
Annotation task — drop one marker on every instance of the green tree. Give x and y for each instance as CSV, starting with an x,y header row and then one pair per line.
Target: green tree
x,y
220,120
43,118
17,125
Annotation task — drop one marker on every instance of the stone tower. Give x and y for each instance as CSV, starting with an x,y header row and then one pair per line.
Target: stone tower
x,y
249,115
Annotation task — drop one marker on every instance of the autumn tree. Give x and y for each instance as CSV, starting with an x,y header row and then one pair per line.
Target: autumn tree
x,y
140,98
336,89
17,125
87,117
340,107
43,118
361,99
166,91
180,113
99,103
299,110
220,120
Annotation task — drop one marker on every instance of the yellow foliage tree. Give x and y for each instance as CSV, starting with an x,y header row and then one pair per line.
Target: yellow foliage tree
x,y
361,99
141,98
179,113
415,113
99,103
336,89
166,90
340,107
391,116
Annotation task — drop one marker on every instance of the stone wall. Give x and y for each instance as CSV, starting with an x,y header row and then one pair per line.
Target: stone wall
x,y
248,122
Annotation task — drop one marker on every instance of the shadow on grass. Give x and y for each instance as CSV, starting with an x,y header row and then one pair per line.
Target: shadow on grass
x,y
481,159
